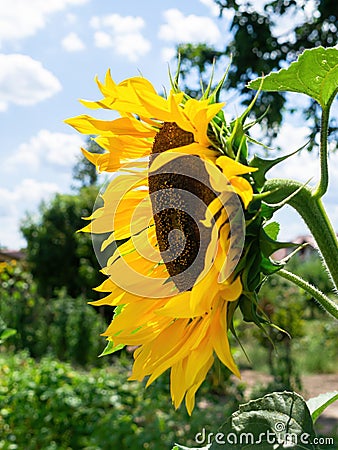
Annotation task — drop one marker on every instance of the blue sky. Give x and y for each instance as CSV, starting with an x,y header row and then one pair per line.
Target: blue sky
x,y
50,52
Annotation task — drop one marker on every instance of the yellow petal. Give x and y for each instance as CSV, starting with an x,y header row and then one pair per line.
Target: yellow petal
x,y
122,126
220,341
243,188
232,291
231,168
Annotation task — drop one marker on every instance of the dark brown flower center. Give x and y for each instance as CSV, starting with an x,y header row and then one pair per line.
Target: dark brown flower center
x,y
180,192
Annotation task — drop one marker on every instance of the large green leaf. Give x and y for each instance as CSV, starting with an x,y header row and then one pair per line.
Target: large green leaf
x,y
315,73
276,421
318,404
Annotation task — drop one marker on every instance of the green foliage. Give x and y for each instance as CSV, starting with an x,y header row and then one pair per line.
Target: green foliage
x,y
65,327
320,341
284,306
306,326
6,333
50,405
57,256
309,265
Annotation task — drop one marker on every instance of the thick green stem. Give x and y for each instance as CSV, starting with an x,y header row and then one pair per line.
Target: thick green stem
x,y
329,305
314,215
322,186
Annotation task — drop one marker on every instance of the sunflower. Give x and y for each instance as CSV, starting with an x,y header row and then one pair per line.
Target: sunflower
x,y
175,208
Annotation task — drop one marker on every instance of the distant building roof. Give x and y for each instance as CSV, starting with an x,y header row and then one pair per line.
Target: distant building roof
x,y
299,240
8,255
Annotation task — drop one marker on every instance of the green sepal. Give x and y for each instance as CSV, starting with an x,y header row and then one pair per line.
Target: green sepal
x,y
118,309
272,229
236,142
254,205
251,272
269,267
248,307
267,241
214,96
264,165
245,306
174,80
232,306
220,119
267,211
111,348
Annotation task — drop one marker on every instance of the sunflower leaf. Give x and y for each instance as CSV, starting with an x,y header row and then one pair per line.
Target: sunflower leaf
x,y
318,404
277,420
315,73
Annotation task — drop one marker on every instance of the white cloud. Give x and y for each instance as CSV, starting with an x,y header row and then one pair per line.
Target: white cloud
x,y
24,81
132,45
72,43
44,154
294,16
183,29
71,18
28,191
26,196
168,53
103,39
47,147
213,8
122,33
21,18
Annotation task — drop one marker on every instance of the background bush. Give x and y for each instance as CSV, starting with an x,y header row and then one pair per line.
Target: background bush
x,y
67,328
49,405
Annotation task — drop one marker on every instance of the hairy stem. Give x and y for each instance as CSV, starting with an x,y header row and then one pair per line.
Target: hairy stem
x,y
329,305
322,186
314,215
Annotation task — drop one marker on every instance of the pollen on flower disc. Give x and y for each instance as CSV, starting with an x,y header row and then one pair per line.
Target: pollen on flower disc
x,y
180,192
